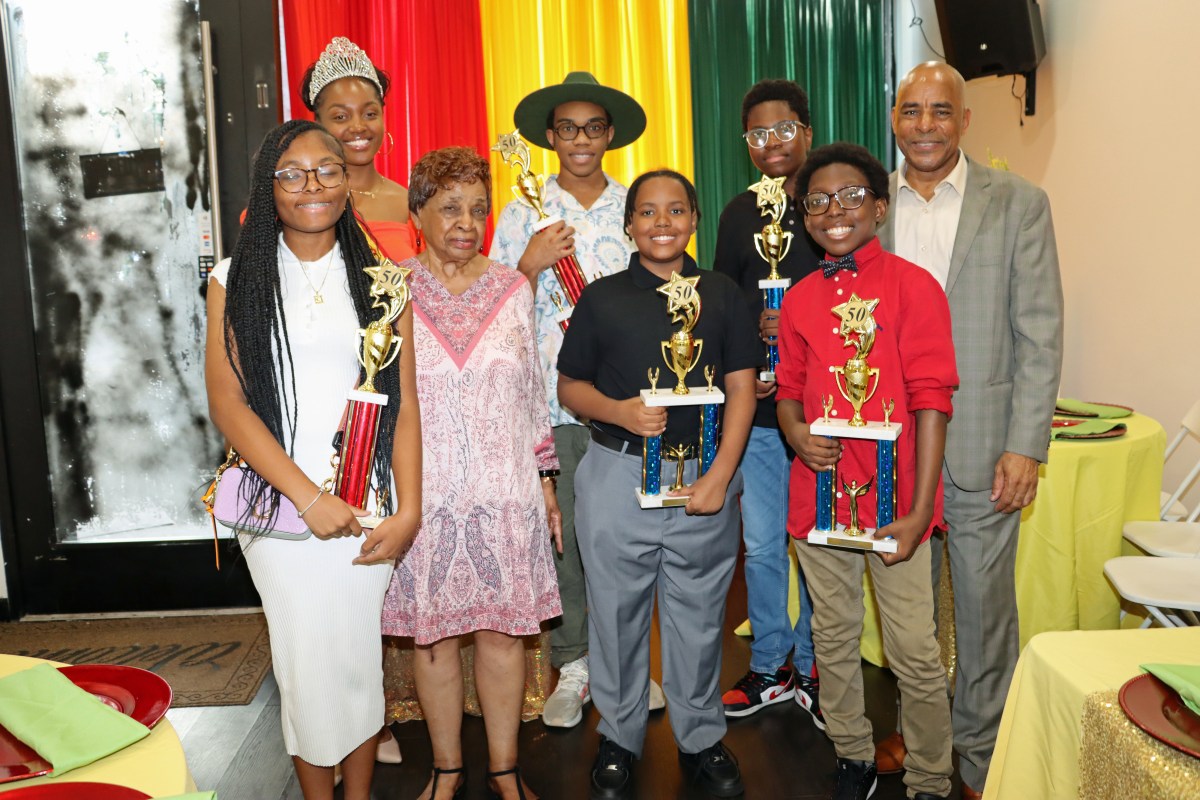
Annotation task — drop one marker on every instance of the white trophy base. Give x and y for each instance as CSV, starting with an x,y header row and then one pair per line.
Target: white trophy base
x,y
778,283
838,538
370,522
696,396
766,377
542,224
661,500
375,398
841,429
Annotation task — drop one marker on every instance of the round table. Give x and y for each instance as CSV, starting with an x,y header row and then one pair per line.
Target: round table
x,y
154,765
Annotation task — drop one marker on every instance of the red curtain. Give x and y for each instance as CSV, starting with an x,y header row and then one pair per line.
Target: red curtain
x,y
432,50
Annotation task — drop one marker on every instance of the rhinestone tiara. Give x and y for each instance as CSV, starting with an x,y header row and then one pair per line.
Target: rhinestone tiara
x,y
342,59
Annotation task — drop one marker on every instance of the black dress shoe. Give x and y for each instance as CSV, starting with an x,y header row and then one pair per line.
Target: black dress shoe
x,y
715,769
855,780
930,796
612,772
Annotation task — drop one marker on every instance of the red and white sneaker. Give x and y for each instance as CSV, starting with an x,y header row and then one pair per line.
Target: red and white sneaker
x,y
757,690
808,697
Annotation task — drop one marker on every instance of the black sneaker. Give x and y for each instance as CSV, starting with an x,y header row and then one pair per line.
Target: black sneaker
x,y
715,769
808,697
612,772
757,690
855,780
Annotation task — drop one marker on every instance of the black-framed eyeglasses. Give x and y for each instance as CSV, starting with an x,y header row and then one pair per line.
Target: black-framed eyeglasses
x,y
294,179
785,130
848,197
569,131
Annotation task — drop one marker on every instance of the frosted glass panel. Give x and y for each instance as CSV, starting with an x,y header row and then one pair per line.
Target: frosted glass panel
x,y
108,102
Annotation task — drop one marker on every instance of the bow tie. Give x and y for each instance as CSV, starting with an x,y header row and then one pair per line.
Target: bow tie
x,y
831,267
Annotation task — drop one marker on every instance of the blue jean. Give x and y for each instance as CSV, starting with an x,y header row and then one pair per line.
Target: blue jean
x,y
765,469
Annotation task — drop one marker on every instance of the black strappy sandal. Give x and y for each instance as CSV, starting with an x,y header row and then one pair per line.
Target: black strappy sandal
x,y
460,792
494,795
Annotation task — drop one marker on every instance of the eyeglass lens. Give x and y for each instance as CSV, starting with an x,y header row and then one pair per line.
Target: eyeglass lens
x,y
569,132
849,198
294,179
784,129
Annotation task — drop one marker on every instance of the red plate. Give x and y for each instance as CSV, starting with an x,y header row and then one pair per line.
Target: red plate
x,y
1065,423
1157,709
137,693
76,791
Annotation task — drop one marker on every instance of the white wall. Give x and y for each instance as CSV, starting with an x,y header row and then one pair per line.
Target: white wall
x,y
1113,143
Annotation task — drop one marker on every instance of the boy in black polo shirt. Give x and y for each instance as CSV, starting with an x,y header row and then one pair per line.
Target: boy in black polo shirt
x,y
687,555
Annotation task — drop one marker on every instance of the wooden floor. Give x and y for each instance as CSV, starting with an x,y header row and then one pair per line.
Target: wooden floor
x,y
238,750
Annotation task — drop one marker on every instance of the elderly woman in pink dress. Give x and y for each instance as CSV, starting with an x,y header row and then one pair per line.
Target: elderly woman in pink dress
x,y
482,561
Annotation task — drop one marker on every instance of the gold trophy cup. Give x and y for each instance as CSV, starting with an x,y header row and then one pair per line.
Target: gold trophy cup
x,y
682,350
855,384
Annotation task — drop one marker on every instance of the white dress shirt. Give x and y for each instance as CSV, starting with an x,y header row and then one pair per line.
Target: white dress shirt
x,y
925,229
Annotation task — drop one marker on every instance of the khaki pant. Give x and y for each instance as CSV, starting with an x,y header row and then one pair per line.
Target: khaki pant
x,y
905,599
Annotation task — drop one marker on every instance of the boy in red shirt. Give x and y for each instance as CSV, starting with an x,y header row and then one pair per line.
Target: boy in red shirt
x,y
843,190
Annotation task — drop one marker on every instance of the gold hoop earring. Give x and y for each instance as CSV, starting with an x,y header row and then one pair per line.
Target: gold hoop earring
x,y
391,145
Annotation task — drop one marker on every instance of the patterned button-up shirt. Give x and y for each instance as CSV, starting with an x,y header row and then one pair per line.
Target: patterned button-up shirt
x,y
601,248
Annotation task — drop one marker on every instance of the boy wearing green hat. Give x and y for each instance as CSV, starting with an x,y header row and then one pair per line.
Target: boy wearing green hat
x,y
579,119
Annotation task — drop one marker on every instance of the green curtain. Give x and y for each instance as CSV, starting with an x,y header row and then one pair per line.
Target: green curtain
x,y
838,50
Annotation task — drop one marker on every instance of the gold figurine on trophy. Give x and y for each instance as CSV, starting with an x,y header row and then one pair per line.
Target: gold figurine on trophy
x,y
855,384
773,243
380,345
854,491
682,350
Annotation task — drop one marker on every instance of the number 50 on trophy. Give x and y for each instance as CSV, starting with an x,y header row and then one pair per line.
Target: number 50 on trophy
x,y
681,353
355,443
772,245
855,384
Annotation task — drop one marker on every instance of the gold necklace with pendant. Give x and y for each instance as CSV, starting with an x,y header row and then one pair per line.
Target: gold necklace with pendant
x,y
304,265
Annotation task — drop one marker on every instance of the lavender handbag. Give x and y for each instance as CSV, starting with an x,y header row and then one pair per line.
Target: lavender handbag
x,y
225,503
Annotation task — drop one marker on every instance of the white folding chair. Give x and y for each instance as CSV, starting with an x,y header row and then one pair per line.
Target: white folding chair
x,y
1165,539
1169,588
1171,508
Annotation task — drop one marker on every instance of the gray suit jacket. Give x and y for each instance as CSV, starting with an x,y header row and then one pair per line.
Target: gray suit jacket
x,y
1006,308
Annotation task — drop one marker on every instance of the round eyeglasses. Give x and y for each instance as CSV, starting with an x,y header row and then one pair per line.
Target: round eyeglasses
x,y
294,179
569,131
848,197
784,130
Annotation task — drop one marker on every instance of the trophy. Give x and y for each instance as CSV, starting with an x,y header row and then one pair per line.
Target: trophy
x,y
772,246
528,191
355,443
857,381
681,352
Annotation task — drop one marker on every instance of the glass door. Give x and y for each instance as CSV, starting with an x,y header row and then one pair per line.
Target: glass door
x,y
107,109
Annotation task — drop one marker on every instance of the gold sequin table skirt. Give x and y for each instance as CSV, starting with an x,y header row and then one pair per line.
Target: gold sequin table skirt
x,y
1119,761
400,691
1044,748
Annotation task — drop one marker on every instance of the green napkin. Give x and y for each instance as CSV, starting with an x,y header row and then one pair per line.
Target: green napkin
x,y
1087,429
66,726
1183,678
1097,410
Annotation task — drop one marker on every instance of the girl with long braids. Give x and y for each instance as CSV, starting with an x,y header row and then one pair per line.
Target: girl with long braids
x,y
282,319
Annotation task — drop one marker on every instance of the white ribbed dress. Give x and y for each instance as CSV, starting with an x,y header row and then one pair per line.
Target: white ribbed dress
x,y
322,611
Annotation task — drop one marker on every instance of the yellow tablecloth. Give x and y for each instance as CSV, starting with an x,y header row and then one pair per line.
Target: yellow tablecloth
x,y
155,765
1037,750
1088,491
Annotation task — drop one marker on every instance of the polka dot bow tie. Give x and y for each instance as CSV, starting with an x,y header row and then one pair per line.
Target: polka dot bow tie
x,y
833,266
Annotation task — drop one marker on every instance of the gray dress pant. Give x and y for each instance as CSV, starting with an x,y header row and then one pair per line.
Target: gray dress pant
x,y
629,554
983,558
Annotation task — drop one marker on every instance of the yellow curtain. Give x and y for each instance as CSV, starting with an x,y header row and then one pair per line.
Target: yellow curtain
x,y
638,47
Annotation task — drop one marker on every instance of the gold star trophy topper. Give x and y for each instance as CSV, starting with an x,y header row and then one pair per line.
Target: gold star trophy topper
x,y
380,344
529,187
857,320
682,350
772,244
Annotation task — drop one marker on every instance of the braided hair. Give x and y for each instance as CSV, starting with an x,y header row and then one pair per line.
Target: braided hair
x,y
256,334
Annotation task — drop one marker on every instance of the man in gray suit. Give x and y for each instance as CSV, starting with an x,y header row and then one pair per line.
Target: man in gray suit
x,y
987,236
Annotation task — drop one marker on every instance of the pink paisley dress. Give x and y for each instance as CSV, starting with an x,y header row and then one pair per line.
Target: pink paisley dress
x,y
482,559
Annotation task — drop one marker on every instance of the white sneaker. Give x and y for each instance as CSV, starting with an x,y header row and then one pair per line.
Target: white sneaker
x,y
564,708
657,698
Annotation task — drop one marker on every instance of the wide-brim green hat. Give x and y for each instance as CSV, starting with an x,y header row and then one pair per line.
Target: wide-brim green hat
x,y
628,118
